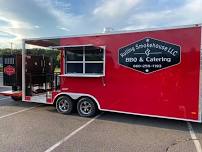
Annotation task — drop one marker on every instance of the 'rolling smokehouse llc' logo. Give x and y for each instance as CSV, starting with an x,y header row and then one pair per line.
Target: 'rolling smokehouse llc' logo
x,y
149,55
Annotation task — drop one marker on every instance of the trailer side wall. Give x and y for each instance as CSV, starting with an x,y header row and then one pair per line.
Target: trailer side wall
x,y
171,92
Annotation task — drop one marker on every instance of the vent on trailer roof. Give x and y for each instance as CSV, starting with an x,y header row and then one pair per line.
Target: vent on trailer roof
x,y
108,29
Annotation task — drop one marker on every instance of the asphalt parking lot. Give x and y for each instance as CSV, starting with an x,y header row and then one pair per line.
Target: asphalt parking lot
x,y
31,127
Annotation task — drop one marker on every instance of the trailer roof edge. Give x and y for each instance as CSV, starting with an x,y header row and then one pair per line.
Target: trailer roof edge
x,y
117,32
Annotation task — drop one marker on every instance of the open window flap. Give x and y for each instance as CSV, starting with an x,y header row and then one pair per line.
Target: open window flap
x,y
77,46
43,42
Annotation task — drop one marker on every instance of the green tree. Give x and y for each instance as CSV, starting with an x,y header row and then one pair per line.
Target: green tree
x,y
54,54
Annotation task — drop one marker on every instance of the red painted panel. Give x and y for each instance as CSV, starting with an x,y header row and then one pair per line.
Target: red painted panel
x,y
27,98
170,92
49,100
54,94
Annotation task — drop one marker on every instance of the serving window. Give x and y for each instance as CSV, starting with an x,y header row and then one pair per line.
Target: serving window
x,y
85,61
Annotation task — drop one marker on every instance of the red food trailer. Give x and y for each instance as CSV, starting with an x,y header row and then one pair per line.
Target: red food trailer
x,y
154,72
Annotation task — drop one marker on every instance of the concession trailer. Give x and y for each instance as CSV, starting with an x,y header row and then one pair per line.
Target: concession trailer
x,y
153,72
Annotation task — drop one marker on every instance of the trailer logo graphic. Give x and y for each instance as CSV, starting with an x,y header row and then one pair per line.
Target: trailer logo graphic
x,y
149,55
9,70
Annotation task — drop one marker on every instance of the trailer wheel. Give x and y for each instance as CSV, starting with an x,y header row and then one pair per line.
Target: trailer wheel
x,y
16,98
86,107
64,105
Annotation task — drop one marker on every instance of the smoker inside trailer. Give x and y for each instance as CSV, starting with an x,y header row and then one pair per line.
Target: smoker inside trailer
x,y
39,75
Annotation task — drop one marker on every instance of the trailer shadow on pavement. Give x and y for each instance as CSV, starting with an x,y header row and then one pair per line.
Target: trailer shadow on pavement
x,y
144,121
137,120
114,117
10,103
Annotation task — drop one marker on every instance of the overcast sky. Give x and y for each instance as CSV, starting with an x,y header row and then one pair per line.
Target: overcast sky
x,y
45,18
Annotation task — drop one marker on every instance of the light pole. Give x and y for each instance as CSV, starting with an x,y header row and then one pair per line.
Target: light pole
x,y
11,47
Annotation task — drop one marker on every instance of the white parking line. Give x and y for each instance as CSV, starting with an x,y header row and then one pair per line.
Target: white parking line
x,y
193,136
71,134
14,113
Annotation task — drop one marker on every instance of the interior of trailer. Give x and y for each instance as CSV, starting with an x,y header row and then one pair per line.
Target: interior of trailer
x,y
79,61
38,76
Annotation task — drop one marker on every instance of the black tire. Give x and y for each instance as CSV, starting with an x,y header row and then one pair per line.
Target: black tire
x,y
16,98
86,107
64,105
